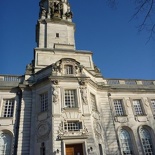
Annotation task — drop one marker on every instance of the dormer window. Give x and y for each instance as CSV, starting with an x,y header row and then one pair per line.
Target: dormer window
x,y
68,69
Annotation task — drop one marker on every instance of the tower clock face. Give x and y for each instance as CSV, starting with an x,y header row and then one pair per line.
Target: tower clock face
x,y
43,129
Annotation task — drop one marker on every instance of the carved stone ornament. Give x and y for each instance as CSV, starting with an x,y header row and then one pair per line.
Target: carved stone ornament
x,y
55,82
121,119
141,118
55,94
128,103
96,69
43,130
69,14
84,94
29,69
59,66
82,82
98,130
56,68
146,102
42,12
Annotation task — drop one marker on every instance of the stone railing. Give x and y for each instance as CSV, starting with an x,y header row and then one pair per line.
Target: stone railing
x,y
130,82
11,78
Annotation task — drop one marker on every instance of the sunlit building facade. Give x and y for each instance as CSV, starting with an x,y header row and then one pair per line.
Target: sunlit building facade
x,y
63,105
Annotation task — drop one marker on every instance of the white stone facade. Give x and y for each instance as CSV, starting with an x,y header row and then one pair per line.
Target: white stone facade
x,y
64,106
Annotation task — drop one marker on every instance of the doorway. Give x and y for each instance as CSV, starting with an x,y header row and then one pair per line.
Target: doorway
x,y
74,149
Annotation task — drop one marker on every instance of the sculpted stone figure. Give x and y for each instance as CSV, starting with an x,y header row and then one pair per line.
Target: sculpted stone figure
x,y
84,95
55,95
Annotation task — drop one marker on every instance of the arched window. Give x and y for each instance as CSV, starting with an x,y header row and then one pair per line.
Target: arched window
x,y
125,142
146,141
5,143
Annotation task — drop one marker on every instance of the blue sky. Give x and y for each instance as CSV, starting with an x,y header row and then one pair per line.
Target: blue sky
x,y
118,49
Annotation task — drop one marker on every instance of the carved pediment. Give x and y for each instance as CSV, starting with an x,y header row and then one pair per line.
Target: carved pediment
x,y
67,67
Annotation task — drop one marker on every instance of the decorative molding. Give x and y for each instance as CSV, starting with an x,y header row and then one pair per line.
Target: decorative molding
x,y
97,129
96,115
58,67
121,119
141,118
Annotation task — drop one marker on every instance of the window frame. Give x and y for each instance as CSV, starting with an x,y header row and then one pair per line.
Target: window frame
x,y
130,141
10,137
122,106
44,106
141,105
75,99
68,69
10,113
149,131
57,35
79,123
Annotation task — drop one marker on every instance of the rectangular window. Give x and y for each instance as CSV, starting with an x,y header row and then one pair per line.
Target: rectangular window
x,y
118,105
100,149
8,108
42,149
73,126
44,101
93,102
57,35
137,105
70,98
68,69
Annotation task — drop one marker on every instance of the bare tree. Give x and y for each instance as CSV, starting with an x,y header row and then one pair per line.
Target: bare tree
x,y
145,9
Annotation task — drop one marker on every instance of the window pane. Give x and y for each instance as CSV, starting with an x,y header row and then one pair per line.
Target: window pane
x,y
118,107
5,144
146,141
44,101
70,100
68,69
125,143
8,108
137,107
72,126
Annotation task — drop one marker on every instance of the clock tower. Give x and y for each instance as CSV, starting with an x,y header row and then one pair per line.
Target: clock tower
x,y
55,25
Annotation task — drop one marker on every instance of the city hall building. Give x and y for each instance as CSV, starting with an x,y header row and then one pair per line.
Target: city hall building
x,y
62,105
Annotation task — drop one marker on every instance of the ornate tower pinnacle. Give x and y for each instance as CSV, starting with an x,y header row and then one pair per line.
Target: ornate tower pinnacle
x,y
55,9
